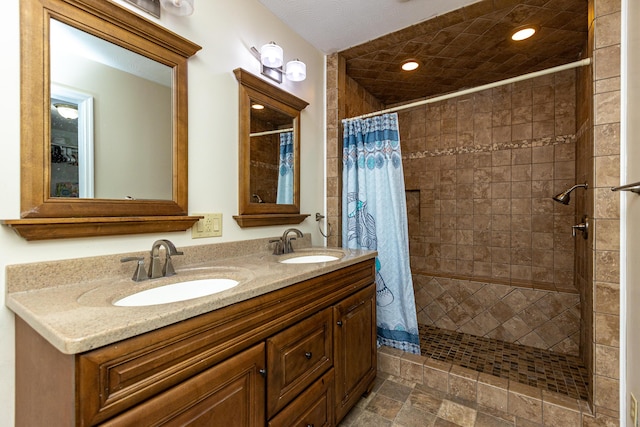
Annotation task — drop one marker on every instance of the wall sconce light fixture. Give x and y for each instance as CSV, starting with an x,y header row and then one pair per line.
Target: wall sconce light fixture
x,y
67,111
271,56
178,7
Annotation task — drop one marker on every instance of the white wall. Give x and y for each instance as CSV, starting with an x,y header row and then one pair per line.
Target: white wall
x,y
630,211
226,31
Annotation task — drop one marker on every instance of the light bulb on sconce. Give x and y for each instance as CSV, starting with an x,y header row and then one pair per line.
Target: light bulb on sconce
x,y
271,57
178,7
296,70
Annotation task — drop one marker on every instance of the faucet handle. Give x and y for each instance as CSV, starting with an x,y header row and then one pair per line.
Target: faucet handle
x,y
140,273
279,248
168,269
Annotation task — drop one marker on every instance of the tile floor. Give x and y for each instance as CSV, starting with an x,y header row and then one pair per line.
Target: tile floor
x,y
395,402
532,366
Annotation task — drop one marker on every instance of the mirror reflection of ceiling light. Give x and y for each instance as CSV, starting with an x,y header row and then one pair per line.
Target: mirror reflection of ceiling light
x,y
523,33
410,65
67,111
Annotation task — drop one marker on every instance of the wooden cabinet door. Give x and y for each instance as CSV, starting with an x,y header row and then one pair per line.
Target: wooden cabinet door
x,y
230,394
355,351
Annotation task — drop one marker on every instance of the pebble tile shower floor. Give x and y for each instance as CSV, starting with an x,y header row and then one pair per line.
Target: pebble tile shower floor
x,y
528,365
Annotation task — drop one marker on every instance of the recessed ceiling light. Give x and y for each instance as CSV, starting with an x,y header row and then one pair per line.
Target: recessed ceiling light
x,y
523,33
410,65
257,106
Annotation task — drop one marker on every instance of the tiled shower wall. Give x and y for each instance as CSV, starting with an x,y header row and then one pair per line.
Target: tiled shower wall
x,y
533,317
480,171
600,164
492,254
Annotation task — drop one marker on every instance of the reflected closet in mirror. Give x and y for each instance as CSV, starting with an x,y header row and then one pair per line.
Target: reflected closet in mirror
x,y
269,147
103,122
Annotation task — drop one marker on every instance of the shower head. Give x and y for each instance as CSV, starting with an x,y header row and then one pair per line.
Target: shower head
x,y
565,196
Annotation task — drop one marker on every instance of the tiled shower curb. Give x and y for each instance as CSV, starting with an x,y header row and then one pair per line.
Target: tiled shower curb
x,y
533,404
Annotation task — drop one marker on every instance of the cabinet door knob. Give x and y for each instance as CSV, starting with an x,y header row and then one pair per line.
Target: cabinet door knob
x,y
308,355
339,322
263,372
309,425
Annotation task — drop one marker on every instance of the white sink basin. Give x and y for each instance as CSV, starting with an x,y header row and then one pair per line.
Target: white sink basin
x,y
309,259
175,292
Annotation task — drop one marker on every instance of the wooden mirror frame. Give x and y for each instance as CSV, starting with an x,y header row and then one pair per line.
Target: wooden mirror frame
x,y
46,217
260,214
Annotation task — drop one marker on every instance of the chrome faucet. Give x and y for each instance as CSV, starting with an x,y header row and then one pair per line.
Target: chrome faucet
x,y
286,240
283,244
166,270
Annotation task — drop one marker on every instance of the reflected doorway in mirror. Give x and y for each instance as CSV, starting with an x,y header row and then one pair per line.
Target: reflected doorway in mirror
x,y
71,164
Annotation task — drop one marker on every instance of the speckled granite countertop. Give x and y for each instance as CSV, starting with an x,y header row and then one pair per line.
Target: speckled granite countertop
x,y
79,316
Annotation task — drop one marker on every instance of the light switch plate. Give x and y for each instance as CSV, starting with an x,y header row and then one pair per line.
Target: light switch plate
x,y
209,226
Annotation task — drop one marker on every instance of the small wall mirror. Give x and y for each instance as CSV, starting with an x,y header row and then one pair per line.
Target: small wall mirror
x,y
269,139
103,122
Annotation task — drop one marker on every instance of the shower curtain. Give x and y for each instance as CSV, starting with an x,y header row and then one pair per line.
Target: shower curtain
x,y
285,170
374,216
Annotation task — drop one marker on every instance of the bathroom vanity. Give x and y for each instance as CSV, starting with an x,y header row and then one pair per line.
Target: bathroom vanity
x,y
299,350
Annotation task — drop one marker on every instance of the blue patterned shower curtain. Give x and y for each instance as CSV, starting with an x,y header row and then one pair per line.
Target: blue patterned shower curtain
x,y
285,170
374,216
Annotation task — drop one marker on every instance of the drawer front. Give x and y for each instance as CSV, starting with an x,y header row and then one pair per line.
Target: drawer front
x,y
227,395
314,407
297,357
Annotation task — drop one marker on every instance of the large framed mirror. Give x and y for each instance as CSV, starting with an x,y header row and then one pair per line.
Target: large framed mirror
x,y
103,122
269,147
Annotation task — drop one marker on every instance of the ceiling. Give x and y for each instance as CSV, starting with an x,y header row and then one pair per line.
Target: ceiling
x,y
334,25
465,47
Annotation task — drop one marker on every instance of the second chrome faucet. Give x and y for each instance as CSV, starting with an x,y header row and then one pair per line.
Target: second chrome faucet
x,y
283,244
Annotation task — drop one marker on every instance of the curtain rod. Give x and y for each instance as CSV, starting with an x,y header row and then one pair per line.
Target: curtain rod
x,y
271,132
527,76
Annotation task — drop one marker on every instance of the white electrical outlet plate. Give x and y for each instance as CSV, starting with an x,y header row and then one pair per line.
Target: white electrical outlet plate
x,y
209,226
633,411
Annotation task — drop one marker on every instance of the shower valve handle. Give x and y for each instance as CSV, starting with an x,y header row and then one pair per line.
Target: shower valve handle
x,y
582,227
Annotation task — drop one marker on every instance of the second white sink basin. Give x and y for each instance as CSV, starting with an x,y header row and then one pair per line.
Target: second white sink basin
x,y
309,259
175,292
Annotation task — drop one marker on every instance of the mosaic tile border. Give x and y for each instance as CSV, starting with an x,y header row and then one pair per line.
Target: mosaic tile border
x,y
540,142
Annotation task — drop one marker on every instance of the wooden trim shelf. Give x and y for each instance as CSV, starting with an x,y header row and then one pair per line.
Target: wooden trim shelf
x,y
269,219
62,228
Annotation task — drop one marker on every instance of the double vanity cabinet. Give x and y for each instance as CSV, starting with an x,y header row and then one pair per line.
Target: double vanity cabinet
x,y
300,355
